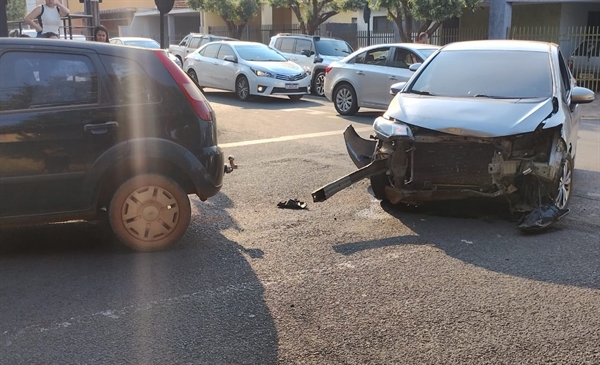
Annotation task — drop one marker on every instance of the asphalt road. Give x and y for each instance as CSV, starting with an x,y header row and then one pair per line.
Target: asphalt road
x,y
346,281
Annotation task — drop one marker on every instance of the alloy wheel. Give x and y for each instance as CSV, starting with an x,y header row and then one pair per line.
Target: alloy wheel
x,y
243,90
320,84
564,184
344,99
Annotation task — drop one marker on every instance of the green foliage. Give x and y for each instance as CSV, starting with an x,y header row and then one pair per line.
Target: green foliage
x,y
235,13
431,13
16,10
312,13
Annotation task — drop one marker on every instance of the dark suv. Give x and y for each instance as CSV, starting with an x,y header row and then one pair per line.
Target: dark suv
x,y
89,129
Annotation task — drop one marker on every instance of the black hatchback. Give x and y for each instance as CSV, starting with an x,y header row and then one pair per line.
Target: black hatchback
x,y
91,129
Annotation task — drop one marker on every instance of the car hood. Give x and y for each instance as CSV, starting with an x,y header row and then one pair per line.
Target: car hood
x,y
285,68
476,117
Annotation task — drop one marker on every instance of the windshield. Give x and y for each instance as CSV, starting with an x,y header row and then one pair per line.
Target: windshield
x,y
494,74
333,47
145,44
259,53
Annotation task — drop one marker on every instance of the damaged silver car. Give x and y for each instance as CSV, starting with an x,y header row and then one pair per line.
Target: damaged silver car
x,y
477,119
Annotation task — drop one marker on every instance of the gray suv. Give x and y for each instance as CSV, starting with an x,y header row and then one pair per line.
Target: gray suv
x,y
314,53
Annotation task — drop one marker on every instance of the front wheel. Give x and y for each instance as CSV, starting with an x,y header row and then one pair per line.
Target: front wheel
x,y
318,84
149,212
242,88
378,184
194,77
344,100
564,183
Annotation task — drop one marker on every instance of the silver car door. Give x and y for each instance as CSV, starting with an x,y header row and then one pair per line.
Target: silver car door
x,y
226,70
207,66
371,73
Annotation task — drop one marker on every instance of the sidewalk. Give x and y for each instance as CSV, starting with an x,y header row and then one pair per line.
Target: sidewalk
x,y
591,110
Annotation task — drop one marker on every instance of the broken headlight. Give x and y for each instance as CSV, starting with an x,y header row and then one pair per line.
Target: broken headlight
x,y
391,129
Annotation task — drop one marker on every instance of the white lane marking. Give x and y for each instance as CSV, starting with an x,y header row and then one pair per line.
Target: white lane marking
x,y
288,138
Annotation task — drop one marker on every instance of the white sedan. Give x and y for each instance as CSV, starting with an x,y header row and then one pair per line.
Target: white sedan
x,y
143,43
364,78
248,68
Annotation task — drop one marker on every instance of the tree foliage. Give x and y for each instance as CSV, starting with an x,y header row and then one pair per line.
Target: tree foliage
x,y
312,13
16,10
235,13
431,13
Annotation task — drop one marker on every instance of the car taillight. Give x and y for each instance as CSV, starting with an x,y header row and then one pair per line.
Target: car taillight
x,y
187,86
327,69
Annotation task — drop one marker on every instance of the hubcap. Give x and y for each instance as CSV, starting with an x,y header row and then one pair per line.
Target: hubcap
x,y
564,186
150,213
320,84
242,88
343,99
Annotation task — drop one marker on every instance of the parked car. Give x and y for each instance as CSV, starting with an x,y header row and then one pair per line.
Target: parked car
x,y
478,119
192,42
364,78
585,62
144,43
248,68
89,130
314,53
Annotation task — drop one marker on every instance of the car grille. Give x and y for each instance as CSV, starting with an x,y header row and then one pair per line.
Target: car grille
x,y
281,90
452,164
290,77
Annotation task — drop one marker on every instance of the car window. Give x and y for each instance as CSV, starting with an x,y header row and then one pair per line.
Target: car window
x,y
225,51
278,44
376,56
333,47
204,41
302,44
211,50
194,42
252,52
482,73
43,79
184,41
150,43
403,58
287,45
565,75
131,83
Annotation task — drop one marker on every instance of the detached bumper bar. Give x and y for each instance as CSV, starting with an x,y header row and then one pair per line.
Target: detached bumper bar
x,y
329,190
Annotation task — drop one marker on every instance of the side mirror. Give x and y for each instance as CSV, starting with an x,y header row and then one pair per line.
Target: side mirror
x,y
307,52
414,67
230,58
581,95
397,87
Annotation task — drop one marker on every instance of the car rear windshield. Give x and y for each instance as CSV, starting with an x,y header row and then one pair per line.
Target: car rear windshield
x,y
333,47
494,74
427,52
259,53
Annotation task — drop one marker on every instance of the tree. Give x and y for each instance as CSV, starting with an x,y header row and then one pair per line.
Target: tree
x,y
431,13
312,13
16,10
235,13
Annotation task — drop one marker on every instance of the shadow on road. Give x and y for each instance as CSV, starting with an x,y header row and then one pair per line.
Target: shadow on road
x,y
69,291
484,234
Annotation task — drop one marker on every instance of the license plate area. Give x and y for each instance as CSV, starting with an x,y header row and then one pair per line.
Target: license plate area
x,y
291,86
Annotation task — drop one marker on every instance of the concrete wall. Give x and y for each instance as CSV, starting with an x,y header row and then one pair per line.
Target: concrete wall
x,y
536,15
575,15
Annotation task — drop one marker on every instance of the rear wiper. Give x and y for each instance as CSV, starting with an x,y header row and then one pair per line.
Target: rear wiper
x,y
419,92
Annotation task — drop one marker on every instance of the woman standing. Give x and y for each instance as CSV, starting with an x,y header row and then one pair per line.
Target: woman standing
x,y
48,17
101,34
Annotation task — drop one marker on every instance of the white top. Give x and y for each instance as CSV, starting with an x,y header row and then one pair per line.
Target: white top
x,y
50,19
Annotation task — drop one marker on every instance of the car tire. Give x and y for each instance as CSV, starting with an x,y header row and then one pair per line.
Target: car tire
x,y
344,99
242,88
149,212
318,83
180,60
194,77
378,184
295,97
563,186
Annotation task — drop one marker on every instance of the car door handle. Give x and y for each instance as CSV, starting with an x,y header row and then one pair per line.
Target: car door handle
x,y
393,78
100,128
360,73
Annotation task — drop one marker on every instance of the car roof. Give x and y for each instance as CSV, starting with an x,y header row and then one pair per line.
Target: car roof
x,y
62,45
406,45
500,45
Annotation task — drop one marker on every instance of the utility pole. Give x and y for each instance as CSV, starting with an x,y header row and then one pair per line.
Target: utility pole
x,y
92,8
367,19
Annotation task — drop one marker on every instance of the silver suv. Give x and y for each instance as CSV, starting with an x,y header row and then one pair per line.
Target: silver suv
x,y
314,53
